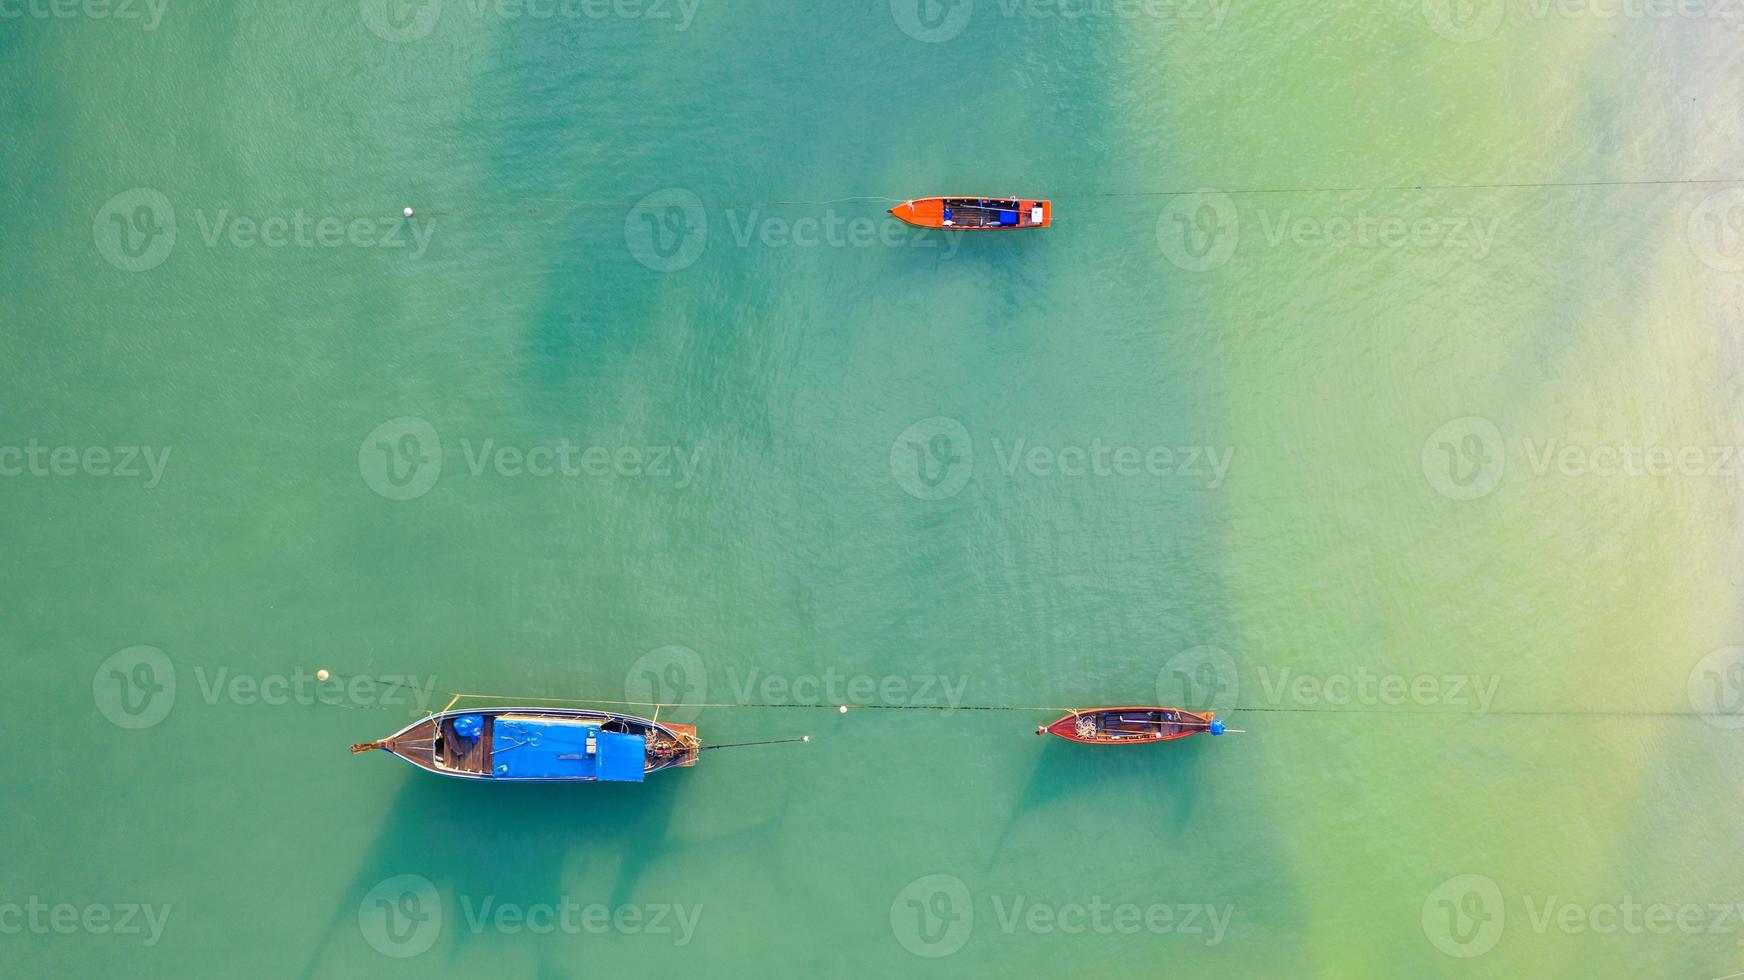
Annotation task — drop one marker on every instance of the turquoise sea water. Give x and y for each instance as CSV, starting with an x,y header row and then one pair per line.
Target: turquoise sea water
x,y
1428,490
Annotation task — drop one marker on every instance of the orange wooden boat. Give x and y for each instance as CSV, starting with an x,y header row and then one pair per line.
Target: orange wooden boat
x,y
1133,725
975,213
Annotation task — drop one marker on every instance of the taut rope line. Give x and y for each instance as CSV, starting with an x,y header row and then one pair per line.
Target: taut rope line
x,y
578,206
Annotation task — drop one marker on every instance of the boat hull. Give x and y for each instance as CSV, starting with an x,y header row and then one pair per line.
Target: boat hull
x,y
975,213
435,745
1132,725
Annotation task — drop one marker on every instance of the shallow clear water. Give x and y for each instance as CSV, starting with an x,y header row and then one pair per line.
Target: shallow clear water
x,y
1427,490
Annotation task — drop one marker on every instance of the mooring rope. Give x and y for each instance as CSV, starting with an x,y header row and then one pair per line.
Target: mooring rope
x,y
1551,713
659,706
740,745
580,206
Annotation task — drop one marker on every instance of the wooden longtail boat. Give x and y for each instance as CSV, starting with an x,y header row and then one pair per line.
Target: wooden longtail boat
x,y
975,213
544,744
1132,726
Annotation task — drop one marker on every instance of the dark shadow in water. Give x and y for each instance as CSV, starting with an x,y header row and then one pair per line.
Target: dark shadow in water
x,y
1166,775
522,845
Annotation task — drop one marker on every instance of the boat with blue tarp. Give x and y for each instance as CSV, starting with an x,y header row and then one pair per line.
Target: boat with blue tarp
x,y
542,744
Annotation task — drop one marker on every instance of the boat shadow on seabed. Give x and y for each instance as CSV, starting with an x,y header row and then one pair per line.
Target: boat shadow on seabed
x,y
1159,780
520,845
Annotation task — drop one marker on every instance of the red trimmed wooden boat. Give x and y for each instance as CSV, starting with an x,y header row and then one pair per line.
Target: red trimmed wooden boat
x,y
1132,726
975,213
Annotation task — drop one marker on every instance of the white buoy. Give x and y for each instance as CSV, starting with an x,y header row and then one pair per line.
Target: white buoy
x,y
407,212
322,674
843,709
806,738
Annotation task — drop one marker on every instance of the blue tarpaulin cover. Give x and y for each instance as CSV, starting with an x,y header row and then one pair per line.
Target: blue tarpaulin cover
x,y
545,748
